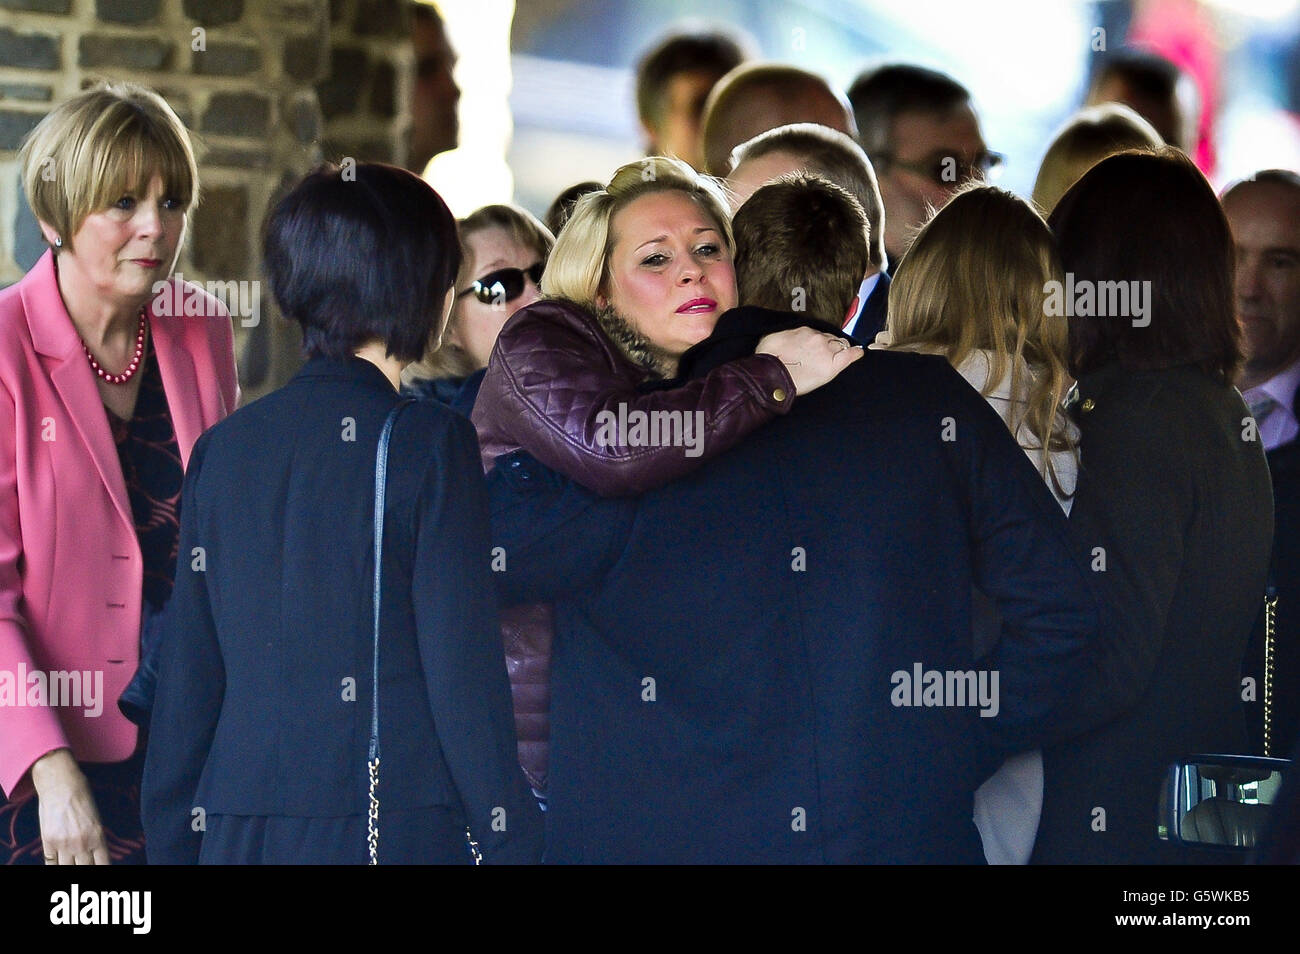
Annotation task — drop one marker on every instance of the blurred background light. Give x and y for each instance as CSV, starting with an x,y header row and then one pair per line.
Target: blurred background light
x,y
548,94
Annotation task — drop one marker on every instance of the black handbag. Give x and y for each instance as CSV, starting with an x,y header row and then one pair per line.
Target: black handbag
x,y
372,760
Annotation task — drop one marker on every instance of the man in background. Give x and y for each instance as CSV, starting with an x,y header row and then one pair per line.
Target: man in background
x,y
435,96
921,133
1264,214
1153,87
756,97
673,81
804,147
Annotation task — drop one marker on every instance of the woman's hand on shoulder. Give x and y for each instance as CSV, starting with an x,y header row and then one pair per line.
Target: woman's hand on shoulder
x,y
70,828
812,357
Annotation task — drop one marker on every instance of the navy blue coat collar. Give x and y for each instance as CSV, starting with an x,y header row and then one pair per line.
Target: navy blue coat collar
x,y
351,368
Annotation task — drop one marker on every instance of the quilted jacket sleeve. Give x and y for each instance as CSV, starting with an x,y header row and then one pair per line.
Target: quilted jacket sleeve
x,y
557,387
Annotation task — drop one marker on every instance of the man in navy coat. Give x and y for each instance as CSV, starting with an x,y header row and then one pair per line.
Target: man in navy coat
x,y
771,660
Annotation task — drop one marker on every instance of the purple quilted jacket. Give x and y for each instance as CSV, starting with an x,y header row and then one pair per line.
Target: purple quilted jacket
x,y
557,385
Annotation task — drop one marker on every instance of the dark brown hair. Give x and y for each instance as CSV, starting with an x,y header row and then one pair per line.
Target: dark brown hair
x,y
354,254
801,232
1152,217
711,50
883,93
562,207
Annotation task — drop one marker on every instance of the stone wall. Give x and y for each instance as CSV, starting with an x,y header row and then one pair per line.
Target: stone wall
x,y
267,87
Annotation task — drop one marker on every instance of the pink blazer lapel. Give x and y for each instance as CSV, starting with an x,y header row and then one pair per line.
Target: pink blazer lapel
x,y
181,381
54,336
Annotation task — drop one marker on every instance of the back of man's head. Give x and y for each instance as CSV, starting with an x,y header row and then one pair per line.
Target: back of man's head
x,y
1282,178
801,245
756,97
883,93
831,155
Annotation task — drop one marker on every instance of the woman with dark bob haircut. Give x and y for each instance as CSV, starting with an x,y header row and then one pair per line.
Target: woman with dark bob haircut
x,y
1173,508
263,710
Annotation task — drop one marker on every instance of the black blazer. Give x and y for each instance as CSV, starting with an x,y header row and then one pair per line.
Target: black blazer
x,y
1176,499
264,693
723,676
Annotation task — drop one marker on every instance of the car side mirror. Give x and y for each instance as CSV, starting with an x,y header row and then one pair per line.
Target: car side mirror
x,y
1219,801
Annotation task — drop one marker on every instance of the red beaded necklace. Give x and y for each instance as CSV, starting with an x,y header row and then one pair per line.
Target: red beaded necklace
x,y
131,368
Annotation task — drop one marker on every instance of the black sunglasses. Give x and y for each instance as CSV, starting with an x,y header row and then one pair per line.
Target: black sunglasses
x,y
503,285
950,170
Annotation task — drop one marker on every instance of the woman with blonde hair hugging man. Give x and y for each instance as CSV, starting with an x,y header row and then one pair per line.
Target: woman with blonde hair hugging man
x,y
640,273
971,288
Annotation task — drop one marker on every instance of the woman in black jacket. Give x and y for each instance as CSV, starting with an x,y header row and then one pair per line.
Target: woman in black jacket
x,y
1173,507
258,751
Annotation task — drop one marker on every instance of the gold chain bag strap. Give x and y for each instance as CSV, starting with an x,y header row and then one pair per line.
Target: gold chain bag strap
x,y
372,760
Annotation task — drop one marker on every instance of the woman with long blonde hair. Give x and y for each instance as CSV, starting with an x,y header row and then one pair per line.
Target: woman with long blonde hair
x,y
972,288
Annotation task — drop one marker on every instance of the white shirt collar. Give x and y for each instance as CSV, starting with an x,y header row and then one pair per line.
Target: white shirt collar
x,y
864,292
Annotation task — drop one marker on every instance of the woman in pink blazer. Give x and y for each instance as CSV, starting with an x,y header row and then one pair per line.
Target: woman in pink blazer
x,y
110,371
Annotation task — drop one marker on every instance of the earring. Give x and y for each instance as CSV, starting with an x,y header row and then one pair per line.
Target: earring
x,y
58,241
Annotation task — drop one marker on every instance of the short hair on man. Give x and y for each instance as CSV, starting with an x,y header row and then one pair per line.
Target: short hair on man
x,y
361,254
735,111
833,156
562,206
423,12
1284,178
679,52
1153,79
882,93
801,245
1148,73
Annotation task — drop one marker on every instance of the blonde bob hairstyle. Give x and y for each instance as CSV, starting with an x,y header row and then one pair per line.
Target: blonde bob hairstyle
x,y
449,360
100,145
578,268
973,280
1088,137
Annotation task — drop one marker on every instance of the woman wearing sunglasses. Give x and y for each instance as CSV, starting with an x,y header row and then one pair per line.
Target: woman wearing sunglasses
x,y
505,251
